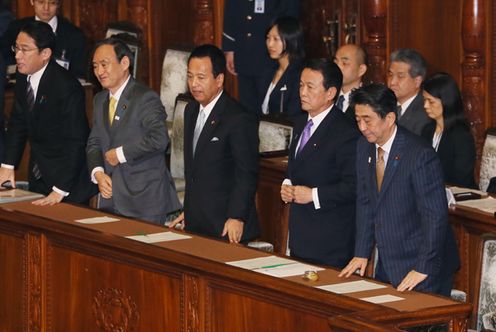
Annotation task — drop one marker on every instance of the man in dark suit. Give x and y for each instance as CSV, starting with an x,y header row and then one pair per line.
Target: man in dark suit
x,y
352,60
50,112
69,49
245,27
407,70
401,201
126,147
220,155
321,171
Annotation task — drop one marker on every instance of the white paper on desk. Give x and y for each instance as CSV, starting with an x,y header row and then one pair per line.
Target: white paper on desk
x,y
158,237
96,220
289,270
457,190
382,298
485,204
261,262
351,287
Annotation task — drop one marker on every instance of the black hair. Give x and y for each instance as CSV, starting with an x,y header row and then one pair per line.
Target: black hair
x,y
120,48
41,33
291,34
379,97
215,55
330,72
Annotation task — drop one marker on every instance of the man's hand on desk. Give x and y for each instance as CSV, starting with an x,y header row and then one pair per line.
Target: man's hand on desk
x,y
7,174
111,157
178,220
412,279
104,184
356,264
52,199
233,228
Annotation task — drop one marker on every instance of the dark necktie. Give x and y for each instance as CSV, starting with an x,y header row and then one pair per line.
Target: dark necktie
x,y
379,167
29,95
399,110
305,136
340,103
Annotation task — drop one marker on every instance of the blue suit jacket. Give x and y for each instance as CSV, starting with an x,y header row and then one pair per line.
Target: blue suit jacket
x,y
327,162
408,218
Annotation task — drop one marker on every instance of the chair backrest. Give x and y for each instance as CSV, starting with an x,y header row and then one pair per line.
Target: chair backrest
x,y
274,136
486,318
174,78
488,160
177,137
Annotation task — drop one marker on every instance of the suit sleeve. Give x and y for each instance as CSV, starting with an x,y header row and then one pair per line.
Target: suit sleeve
x,y
244,150
75,134
78,59
464,159
155,138
17,133
432,207
231,26
94,152
343,191
364,240
288,8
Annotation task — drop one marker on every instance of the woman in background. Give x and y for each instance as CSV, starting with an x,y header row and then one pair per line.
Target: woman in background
x,y
285,44
449,132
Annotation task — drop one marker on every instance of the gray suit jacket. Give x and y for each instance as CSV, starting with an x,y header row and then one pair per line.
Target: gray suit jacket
x,y
415,118
142,186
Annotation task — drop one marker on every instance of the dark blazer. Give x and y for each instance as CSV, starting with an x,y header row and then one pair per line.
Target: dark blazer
x,y
142,187
68,39
57,130
415,118
248,28
221,178
327,162
408,218
457,153
290,98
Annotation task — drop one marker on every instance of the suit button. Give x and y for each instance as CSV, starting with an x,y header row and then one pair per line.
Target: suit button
x,y
248,17
248,34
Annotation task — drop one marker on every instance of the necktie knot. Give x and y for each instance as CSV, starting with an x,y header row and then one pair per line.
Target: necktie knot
x,y
340,103
112,108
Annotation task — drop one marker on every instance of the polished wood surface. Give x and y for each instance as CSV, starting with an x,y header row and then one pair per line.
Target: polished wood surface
x,y
59,275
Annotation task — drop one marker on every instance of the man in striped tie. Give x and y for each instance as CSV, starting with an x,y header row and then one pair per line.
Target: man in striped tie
x,y
320,184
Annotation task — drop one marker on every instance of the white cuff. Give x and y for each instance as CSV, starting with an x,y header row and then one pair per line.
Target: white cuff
x,y
57,190
315,197
120,155
287,182
96,169
7,166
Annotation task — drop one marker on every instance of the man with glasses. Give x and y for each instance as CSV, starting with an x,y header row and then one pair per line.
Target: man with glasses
x,y
70,47
49,112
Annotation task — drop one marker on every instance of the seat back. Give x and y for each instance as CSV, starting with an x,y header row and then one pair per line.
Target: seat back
x,y
174,78
488,160
177,137
274,136
486,318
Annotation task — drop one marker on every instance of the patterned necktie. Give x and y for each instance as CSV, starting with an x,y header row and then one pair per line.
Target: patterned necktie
x,y
305,136
29,95
340,103
112,107
198,129
379,167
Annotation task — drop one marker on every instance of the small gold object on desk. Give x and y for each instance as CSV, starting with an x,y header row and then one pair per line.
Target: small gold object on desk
x,y
311,276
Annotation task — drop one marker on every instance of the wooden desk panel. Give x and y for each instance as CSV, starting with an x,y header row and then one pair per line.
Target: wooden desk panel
x,y
77,277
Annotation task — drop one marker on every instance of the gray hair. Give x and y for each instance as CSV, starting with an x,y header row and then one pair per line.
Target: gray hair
x,y
418,65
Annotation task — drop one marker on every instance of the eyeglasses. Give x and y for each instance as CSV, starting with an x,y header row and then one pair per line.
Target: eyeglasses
x,y
24,51
49,2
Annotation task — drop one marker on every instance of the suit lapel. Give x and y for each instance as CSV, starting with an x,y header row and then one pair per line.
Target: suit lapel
x,y
121,110
394,160
211,123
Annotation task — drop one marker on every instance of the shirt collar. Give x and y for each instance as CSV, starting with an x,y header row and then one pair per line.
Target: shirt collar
x,y
53,23
34,79
407,103
118,93
210,106
319,118
388,145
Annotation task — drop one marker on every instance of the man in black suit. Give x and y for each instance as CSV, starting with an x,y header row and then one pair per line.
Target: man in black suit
x,y
50,112
220,155
245,28
407,70
321,171
69,49
352,60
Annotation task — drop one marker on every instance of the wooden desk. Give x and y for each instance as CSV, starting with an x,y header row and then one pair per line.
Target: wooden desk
x,y
22,170
59,275
471,228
